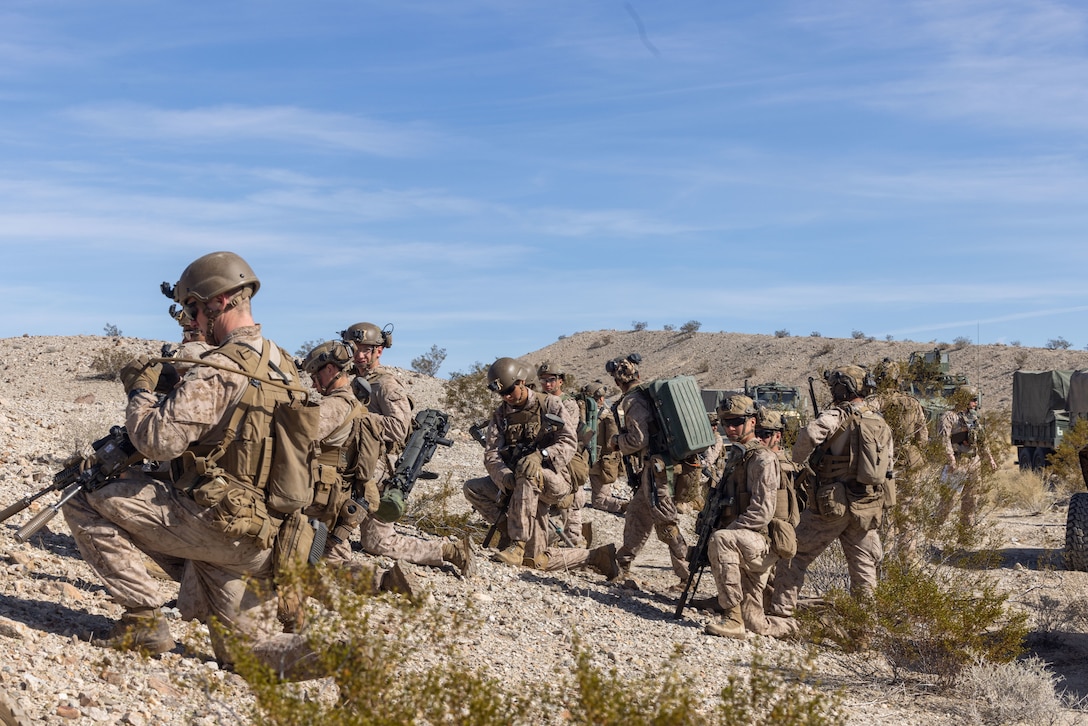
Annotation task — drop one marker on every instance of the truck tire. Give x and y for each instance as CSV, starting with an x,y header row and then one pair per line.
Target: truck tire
x,y
1076,533
1024,456
1038,459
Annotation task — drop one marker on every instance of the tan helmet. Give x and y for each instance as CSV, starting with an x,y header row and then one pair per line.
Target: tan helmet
x,y
550,369
332,351
767,419
962,397
213,274
849,382
504,373
736,406
368,334
596,389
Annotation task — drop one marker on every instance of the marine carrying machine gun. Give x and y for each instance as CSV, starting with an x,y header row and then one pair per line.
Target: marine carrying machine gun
x,y
112,454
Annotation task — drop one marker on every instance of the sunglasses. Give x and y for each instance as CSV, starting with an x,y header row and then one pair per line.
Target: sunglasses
x,y
732,422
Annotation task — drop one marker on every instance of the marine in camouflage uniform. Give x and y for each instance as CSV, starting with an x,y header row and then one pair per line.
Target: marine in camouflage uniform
x,y
351,447
840,508
604,472
740,552
526,461
964,448
221,557
389,401
651,509
552,378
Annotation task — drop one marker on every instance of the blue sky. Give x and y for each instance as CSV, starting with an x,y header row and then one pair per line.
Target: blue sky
x,y
489,176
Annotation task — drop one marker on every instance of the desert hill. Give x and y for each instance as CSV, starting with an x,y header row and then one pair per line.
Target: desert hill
x,y
725,360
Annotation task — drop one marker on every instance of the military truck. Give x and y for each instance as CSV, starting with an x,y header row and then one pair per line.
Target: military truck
x,y
1040,415
789,400
928,379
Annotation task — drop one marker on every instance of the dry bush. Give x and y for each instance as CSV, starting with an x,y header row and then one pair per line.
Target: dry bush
x,y
1018,692
926,619
825,349
1026,490
600,342
1064,463
430,511
108,362
467,394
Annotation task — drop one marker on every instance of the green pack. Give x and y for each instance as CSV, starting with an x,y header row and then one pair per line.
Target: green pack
x,y
683,427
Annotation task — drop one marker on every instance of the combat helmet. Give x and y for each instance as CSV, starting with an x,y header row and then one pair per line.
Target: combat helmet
x,y
332,351
736,406
504,373
849,382
547,368
368,334
767,419
962,397
213,274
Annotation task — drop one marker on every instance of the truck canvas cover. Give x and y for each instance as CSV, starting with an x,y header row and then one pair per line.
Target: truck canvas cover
x,y
1078,395
1035,394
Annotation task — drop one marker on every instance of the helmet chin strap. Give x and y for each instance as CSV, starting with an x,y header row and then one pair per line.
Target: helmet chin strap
x,y
324,390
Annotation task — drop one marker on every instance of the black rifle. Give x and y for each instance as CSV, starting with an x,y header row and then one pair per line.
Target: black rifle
x,y
716,504
431,430
812,395
511,455
112,454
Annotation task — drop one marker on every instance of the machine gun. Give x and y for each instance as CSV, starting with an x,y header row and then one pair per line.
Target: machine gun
x,y
431,430
717,502
112,454
511,455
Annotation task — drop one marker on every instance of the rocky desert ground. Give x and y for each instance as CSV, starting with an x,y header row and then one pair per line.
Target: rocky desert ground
x,y
52,405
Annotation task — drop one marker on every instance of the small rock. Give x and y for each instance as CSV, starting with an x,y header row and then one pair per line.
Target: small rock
x,y
68,712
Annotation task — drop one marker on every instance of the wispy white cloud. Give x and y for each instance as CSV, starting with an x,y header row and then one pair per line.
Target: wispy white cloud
x,y
233,123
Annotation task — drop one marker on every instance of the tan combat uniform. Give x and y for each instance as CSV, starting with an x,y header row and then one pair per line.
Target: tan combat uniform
x,y
642,517
855,527
606,469
529,504
740,553
579,471
137,514
958,432
389,401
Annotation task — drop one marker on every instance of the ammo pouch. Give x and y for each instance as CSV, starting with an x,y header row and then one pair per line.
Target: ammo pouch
x,y
783,538
579,468
868,512
237,510
831,500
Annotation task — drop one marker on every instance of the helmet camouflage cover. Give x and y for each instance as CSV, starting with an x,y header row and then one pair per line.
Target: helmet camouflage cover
x,y
736,406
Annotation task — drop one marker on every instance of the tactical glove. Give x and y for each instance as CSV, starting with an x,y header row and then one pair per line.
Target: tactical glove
x,y
508,480
371,495
140,373
529,467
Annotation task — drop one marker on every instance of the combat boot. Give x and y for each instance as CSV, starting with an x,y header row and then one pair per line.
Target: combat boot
x,y
603,559
512,555
587,533
730,626
142,629
459,554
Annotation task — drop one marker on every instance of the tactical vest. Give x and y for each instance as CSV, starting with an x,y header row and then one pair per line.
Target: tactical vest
x,y
521,429
231,477
345,459
964,436
376,380
866,442
786,506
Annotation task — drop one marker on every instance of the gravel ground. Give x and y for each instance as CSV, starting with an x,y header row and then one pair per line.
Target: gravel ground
x,y
51,406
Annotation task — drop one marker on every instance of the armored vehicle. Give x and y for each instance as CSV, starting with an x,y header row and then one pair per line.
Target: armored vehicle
x,y
789,400
928,379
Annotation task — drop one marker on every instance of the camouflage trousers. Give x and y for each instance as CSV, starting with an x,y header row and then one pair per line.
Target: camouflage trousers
x,y
602,475
742,562
641,519
965,480
527,517
815,532
228,578
382,539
